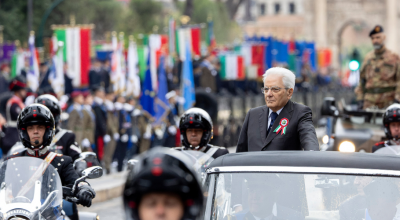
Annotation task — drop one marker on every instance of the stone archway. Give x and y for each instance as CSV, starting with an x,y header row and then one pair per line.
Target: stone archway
x,y
362,24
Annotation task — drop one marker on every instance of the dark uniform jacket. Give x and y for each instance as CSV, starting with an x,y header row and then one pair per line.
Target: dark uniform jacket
x,y
215,150
101,119
67,145
299,132
62,163
13,108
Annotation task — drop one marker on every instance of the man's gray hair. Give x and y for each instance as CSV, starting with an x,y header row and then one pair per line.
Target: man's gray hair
x,y
288,76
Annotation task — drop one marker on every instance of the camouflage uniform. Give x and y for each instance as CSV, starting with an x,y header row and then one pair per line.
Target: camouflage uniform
x,y
379,79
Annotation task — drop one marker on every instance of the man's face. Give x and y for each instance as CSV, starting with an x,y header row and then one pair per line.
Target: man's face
x,y
22,93
194,136
79,99
278,99
110,97
101,94
378,40
395,129
36,133
160,206
89,100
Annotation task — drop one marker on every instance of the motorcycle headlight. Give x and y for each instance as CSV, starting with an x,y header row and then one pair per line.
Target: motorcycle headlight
x,y
347,146
325,139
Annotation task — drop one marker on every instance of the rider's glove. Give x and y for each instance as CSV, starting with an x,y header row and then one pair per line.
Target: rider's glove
x,y
85,195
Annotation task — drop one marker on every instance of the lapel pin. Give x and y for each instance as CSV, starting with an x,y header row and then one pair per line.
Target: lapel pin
x,y
282,126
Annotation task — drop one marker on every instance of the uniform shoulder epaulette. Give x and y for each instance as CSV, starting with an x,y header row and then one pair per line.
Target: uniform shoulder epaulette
x,y
379,143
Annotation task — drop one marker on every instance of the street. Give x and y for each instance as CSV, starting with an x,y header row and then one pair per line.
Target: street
x,y
111,209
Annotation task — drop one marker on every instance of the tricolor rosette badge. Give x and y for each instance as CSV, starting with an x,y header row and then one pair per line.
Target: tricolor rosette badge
x,y
282,126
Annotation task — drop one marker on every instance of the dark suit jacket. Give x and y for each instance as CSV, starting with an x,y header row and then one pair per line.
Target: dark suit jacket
x,y
300,133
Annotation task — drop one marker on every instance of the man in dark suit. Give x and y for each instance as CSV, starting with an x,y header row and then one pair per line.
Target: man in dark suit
x,y
281,124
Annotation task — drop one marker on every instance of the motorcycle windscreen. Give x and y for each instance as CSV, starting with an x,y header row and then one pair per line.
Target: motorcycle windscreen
x,y
31,184
200,161
389,150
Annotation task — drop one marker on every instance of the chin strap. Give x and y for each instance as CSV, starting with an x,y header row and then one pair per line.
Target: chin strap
x,y
37,152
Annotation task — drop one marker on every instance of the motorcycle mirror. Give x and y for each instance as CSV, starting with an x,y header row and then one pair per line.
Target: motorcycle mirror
x,y
93,172
85,155
132,163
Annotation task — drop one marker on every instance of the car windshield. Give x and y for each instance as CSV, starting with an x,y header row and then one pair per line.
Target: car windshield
x,y
30,184
264,196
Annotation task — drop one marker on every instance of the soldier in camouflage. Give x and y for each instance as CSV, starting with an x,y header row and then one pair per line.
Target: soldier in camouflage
x,y
379,75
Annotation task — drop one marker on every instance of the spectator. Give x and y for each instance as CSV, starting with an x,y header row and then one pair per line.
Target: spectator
x,y
75,120
98,77
89,122
4,78
125,130
67,81
100,111
112,130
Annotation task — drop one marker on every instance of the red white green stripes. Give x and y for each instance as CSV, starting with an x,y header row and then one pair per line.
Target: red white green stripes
x,y
76,53
232,67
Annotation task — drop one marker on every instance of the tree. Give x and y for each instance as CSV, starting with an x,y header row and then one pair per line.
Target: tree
x,y
143,15
233,6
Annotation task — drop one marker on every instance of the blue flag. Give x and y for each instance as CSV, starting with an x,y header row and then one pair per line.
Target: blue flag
x,y
161,101
148,94
188,91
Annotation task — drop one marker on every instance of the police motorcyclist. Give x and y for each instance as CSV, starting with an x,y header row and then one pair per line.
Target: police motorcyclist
x,y
162,185
64,140
196,131
391,122
36,128
13,108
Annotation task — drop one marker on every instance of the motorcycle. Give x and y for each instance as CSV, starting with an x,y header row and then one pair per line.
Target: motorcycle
x,y
31,189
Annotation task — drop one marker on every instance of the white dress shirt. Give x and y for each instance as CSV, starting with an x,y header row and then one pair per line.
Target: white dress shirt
x,y
269,115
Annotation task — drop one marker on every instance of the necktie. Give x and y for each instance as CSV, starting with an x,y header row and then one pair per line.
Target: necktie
x,y
273,116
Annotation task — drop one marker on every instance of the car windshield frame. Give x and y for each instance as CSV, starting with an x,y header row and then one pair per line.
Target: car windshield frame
x,y
210,183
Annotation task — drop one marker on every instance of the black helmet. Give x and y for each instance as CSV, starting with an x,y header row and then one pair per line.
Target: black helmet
x,y
52,104
392,114
163,170
196,118
35,114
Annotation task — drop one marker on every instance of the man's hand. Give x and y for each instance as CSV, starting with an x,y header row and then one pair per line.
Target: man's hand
x,y
85,195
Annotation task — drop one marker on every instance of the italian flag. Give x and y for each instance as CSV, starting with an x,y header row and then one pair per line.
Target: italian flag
x,y
232,67
190,35
158,46
142,52
17,62
76,53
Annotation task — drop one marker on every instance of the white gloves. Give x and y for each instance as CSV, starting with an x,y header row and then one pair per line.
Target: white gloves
x,y
172,130
85,143
125,138
147,134
106,138
134,139
116,136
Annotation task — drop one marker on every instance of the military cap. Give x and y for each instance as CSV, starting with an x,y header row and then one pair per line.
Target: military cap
x,y
377,29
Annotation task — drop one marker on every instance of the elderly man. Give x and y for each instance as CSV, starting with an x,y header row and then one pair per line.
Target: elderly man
x,y
281,124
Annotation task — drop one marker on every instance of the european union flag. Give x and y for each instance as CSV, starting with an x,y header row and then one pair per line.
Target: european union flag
x,y
188,91
148,94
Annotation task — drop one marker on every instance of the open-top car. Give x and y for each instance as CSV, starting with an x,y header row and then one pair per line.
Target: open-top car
x,y
303,185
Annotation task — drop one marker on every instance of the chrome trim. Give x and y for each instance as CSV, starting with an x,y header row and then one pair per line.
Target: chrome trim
x,y
288,169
